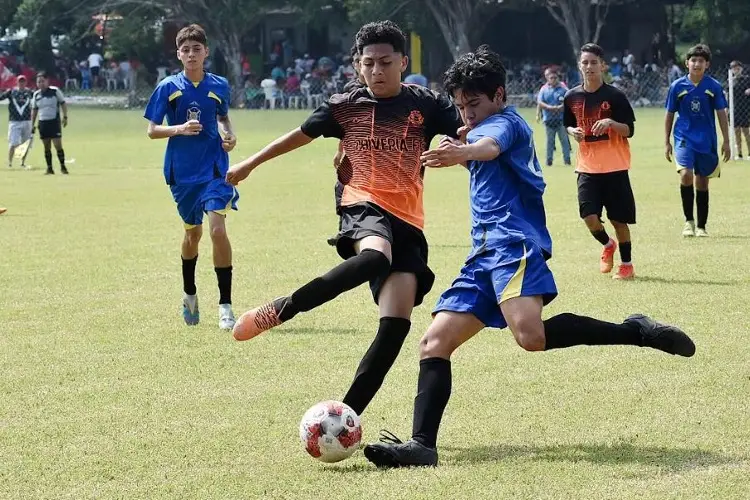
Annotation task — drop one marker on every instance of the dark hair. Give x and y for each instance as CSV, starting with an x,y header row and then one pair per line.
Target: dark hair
x,y
386,32
42,74
593,48
353,52
478,72
700,50
192,33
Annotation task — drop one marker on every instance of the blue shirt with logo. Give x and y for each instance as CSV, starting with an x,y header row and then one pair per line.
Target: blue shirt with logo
x,y
553,96
695,127
192,159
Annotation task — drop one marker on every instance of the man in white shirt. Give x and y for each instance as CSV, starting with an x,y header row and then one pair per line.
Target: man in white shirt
x,y
95,64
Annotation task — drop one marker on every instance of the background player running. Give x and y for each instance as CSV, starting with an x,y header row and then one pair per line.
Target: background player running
x,y
19,118
195,104
601,119
505,280
384,128
695,97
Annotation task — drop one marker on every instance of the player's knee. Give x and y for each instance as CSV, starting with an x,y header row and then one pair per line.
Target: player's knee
x,y
529,334
193,236
218,233
435,344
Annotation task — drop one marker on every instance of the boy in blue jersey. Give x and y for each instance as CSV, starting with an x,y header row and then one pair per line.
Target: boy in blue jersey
x,y
196,104
505,280
695,97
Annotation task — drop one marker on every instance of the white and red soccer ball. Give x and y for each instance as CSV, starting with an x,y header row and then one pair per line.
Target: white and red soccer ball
x,y
330,431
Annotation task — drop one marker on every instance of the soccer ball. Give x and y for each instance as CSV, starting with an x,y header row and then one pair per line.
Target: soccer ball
x,y
330,431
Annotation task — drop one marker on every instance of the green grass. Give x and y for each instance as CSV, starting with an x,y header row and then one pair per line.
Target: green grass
x,y
104,393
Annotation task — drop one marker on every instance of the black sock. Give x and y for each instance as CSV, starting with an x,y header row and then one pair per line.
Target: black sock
x,y
188,275
48,158
568,330
224,277
601,236
433,393
687,195
349,274
376,362
61,157
701,203
626,248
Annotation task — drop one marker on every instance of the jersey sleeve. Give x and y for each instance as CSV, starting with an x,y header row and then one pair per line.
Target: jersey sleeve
x,y
720,100
672,105
447,119
569,118
501,131
4,95
156,109
225,95
60,96
33,100
622,111
322,123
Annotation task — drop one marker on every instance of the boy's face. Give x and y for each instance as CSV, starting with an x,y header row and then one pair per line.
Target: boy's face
x,y
381,68
697,65
591,66
552,78
192,54
475,108
736,70
42,83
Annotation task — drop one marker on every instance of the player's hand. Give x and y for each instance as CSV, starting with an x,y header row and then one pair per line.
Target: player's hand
x,y
238,173
338,159
447,155
601,126
229,142
577,134
65,121
668,151
190,127
726,151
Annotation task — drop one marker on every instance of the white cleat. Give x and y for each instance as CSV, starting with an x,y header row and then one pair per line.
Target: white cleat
x,y
226,317
190,312
701,232
689,230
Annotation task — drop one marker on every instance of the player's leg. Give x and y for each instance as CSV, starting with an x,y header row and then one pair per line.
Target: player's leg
x,y
590,206
190,208
57,142
701,204
621,212
448,331
47,142
746,134
551,133
565,143
11,154
685,160
738,141
365,243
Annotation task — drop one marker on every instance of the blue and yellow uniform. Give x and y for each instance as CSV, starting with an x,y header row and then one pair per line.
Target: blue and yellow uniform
x,y
195,166
510,241
696,144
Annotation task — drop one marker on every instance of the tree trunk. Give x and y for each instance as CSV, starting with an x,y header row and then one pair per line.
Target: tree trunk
x,y
453,19
230,47
575,17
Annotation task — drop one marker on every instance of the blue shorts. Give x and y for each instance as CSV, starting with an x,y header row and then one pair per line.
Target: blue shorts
x,y
703,164
499,274
193,200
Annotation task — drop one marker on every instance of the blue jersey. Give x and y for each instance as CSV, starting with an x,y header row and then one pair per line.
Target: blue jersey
x,y
192,159
553,96
506,193
695,104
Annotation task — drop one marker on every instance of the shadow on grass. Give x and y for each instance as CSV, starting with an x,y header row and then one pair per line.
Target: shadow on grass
x,y
296,330
674,281
671,460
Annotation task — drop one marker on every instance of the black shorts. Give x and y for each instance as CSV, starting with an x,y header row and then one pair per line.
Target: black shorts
x,y
408,244
741,118
611,191
50,129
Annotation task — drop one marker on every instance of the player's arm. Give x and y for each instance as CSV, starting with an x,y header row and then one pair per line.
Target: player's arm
x,y
64,107
230,140
622,122
570,122
721,105
34,113
158,131
4,95
672,107
454,152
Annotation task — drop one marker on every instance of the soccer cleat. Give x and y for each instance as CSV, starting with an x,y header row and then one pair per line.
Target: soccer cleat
x,y
190,312
391,452
64,170
256,321
49,172
624,272
701,232
663,337
226,317
608,257
3,210
688,231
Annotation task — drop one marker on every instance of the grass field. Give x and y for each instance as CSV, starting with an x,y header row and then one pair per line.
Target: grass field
x,y
104,393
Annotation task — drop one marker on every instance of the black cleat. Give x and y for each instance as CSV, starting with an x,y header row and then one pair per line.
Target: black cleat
x,y
64,170
667,338
49,172
391,452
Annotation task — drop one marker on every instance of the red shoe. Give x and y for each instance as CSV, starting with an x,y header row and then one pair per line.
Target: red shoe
x,y
608,257
256,321
625,272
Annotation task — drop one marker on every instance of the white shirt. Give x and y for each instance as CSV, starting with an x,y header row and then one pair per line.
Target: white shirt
x,y
95,60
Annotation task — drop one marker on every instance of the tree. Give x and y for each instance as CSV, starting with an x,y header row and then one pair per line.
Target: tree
x,y
576,17
720,23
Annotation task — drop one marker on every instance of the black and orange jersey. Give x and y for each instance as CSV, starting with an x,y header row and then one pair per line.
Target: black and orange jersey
x,y
383,140
609,152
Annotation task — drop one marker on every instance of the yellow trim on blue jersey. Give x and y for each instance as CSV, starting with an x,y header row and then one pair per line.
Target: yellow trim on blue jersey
x,y
214,96
515,285
191,226
228,208
195,84
684,92
716,173
710,93
174,95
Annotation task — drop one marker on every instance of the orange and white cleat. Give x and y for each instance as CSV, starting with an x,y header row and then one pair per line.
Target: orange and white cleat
x,y
608,257
624,272
256,321
3,210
